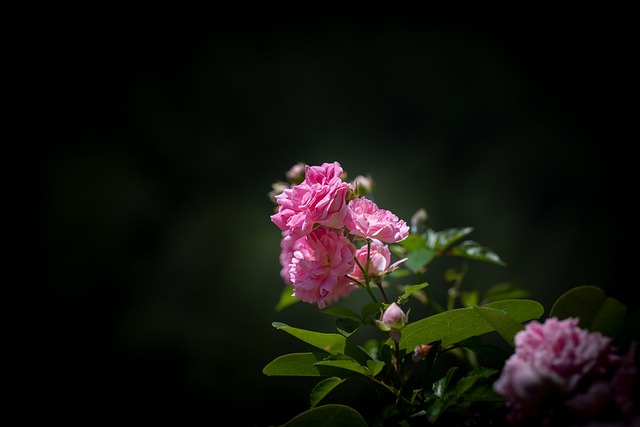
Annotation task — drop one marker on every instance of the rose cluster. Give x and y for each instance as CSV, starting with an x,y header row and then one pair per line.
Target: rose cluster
x,y
561,374
333,238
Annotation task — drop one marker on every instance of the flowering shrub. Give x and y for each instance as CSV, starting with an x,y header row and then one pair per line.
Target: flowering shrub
x,y
576,366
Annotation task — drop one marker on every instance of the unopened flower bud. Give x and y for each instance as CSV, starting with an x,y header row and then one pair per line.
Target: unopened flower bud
x,y
420,352
392,318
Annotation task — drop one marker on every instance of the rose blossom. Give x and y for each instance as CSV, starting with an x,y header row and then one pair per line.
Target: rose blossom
x,y
379,261
559,370
371,222
319,265
320,199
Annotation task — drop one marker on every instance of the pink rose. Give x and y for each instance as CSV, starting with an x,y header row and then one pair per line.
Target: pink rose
x,y
318,267
379,261
371,222
319,200
561,370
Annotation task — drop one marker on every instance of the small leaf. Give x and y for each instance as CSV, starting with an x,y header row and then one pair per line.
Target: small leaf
x,y
347,326
375,367
465,383
472,250
440,386
332,415
441,240
409,290
596,311
372,309
323,388
331,343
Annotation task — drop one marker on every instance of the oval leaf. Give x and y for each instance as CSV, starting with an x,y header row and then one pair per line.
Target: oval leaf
x,y
596,311
331,343
305,365
323,388
453,326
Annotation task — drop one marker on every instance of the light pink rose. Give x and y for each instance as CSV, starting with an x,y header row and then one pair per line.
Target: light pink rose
x,y
318,267
561,370
371,222
379,263
319,200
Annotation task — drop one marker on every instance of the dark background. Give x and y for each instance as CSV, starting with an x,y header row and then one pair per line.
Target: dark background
x,y
148,266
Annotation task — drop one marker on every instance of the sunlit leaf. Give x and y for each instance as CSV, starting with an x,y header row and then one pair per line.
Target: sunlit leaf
x,y
409,290
331,343
472,250
302,365
596,311
412,242
456,325
346,364
441,240
332,415
323,388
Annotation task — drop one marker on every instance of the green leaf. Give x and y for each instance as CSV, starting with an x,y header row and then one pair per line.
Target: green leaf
x,y
375,367
453,326
418,258
502,322
323,388
331,343
465,383
472,250
408,290
372,309
309,365
411,243
286,299
596,311
299,365
346,364
441,240
440,386
333,415
347,326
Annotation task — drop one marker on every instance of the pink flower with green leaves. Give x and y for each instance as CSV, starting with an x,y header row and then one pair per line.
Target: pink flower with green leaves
x,y
371,222
319,265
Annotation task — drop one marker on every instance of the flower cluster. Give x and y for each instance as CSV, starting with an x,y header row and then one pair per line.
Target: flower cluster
x,y
322,219
564,370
